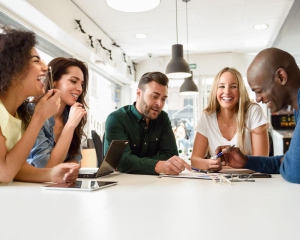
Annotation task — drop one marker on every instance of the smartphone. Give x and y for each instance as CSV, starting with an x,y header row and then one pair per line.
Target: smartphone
x,y
256,175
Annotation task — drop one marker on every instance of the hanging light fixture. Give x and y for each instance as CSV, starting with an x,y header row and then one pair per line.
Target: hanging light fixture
x,y
188,87
133,5
177,67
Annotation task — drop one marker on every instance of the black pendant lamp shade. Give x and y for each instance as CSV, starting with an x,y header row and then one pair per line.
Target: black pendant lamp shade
x,y
178,67
188,87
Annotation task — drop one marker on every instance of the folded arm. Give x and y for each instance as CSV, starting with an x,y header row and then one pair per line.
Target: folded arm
x,y
65,172
199,152
12,161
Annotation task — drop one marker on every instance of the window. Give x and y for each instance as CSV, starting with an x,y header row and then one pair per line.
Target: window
x,y
104,97
183,113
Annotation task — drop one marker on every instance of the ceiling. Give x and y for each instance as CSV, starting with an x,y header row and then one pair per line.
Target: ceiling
x,y
214,26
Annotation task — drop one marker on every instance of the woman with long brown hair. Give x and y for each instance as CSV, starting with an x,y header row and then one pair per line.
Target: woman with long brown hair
x,y
60,138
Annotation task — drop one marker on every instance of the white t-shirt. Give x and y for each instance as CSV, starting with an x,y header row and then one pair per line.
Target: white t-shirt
x,y
208,126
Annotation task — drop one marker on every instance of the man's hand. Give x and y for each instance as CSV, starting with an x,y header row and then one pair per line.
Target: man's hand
x,y
232,156
172,166
64,172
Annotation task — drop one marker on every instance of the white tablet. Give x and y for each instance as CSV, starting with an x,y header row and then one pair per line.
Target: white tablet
x,y
80,186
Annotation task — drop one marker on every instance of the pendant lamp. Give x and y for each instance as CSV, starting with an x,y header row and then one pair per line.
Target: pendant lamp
x,y
188,87
177,67
133,5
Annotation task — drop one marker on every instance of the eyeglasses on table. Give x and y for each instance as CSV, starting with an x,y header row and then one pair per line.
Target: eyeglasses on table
x,y
229,178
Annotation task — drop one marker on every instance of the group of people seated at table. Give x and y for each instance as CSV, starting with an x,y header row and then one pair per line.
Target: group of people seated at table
x,y
41,126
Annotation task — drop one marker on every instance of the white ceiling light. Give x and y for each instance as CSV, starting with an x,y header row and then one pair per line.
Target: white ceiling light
x,y
261,26
133,5
141,35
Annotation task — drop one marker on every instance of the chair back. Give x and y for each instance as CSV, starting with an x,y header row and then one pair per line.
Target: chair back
x,y
103,145
98,147
271,146
90,143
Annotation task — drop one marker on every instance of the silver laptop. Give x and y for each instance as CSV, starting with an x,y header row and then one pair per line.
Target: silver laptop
x,y
110,161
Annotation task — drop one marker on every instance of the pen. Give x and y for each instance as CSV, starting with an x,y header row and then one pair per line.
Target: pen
x,y
220,153
198,170
50,78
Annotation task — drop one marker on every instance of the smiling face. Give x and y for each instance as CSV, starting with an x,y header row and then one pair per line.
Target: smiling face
x,y
33,79
151,100
227,91
267,90
70,85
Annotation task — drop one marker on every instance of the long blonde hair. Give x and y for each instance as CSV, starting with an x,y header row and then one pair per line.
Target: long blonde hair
x,y
244,103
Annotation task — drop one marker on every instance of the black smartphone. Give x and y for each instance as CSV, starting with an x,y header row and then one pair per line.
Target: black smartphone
x,y
256,175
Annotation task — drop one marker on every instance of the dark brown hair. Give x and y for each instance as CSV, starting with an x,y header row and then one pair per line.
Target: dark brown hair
x,y
157,77
60,67
15,52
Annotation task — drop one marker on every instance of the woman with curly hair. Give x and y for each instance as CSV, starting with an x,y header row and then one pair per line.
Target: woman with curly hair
x,y
229,119
22,74
60,138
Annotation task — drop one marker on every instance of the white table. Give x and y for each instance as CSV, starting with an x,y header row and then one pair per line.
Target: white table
x,y
148,207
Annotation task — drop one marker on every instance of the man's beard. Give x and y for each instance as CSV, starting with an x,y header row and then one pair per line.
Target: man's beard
x,y
145,109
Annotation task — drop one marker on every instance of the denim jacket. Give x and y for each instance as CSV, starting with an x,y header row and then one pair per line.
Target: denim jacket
x,y
40,153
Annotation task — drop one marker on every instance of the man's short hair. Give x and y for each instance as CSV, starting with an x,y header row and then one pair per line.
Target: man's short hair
x,y
157,77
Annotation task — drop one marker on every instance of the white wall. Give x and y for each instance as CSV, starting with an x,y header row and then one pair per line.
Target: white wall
x,y
55,21
207,64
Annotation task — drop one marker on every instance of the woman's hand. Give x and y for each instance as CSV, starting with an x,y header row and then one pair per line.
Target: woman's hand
x,y
64,172
77,112
214,165
48,105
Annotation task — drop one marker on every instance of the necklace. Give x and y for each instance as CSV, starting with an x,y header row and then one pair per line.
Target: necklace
x,y
229,125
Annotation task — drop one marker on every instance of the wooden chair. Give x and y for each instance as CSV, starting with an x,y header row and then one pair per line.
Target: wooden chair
x,y
89,159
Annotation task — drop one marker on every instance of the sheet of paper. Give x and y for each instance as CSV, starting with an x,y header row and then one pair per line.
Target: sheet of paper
x,y
188,174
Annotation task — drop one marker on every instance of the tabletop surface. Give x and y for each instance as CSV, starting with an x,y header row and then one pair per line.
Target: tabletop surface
x,y
150,207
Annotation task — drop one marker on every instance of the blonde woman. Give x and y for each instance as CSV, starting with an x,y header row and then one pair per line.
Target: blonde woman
x,y
230,118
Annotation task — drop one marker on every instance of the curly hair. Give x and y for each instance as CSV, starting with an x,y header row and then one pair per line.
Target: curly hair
x,y
15,49
60,67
